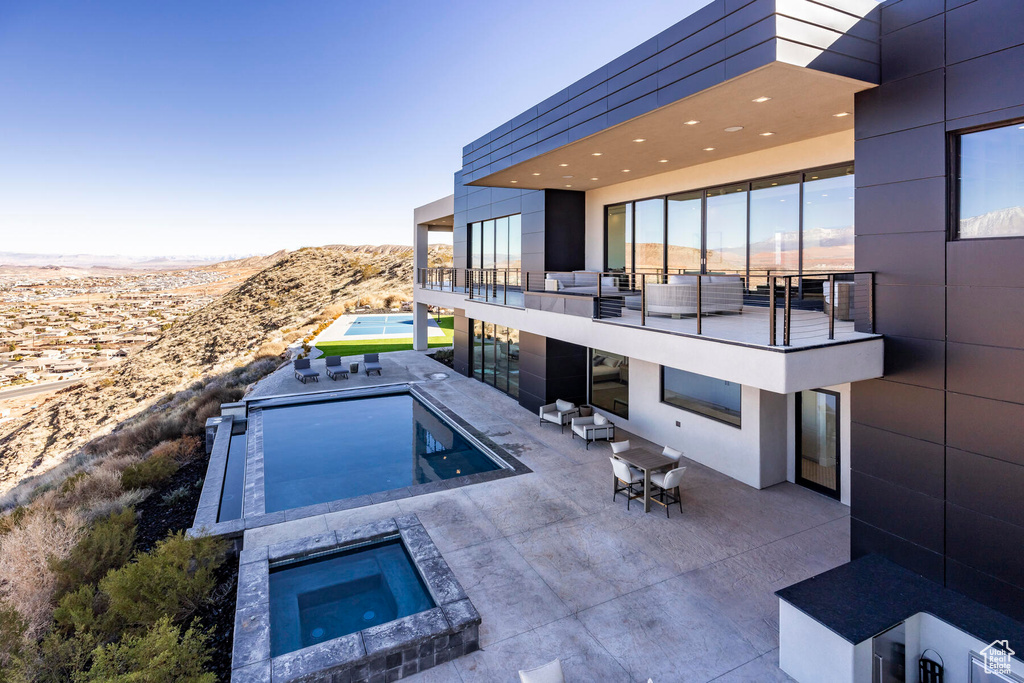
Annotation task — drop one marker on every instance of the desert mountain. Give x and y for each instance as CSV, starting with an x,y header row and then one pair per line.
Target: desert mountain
x,y
290,294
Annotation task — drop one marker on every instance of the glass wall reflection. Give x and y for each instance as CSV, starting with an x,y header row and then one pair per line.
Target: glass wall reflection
x,y
496,356
496,243
746,228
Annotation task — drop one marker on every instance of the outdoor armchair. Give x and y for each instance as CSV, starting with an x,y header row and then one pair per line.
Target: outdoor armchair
x,y
334,368
371,363
593,428
560,413
303,372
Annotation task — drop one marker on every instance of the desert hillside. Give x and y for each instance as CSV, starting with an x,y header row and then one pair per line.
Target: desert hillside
x,y
271,308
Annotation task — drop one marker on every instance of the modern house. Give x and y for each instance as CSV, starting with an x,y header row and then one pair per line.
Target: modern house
x,y
784,237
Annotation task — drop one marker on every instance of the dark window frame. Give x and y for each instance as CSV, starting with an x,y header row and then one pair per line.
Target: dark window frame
x,y
953,185
590,383
798,447
469,237
804,173
661,398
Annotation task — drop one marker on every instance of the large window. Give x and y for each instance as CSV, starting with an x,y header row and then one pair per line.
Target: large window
x,y
497,243
609,382
991,183
714,398
496,356
791,224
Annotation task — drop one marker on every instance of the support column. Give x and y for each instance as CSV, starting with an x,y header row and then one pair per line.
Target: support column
x,y
420,318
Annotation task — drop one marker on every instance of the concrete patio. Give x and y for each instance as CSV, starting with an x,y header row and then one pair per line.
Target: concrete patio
x,y
556,569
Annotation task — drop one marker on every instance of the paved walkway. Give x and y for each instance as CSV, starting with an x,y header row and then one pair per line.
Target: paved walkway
x,y
556,569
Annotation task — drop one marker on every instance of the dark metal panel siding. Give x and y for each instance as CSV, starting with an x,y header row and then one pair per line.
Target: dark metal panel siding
x,y
953,311
719,41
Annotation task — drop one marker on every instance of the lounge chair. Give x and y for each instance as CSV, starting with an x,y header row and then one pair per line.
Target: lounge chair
x,y
560,412
334,368
371,363
303,371
593,428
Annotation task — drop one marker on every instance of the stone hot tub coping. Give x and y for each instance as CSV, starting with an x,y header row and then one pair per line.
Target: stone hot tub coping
x,y
394,649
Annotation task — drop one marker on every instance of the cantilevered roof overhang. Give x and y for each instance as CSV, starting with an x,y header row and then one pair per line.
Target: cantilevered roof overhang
x,y
738,76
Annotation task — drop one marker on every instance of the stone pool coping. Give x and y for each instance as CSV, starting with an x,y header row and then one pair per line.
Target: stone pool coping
x,y
387,651
254,514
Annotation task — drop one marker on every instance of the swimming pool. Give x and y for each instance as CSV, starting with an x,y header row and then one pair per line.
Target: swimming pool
x,y
319,599
379,325
326,451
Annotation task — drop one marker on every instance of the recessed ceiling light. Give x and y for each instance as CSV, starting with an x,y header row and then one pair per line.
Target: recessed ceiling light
x,y
733,129
766,134
691,122
513,181
774,184
709,149
814,177
662,161
536,174
761,99
625,170
841,114
596,154
568,185
567,176
639,139
563,165
593,178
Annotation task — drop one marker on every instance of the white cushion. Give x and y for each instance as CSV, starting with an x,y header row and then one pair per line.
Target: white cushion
x,y
562,406
682,279
600,420
585,278
550,285
547,673
608,281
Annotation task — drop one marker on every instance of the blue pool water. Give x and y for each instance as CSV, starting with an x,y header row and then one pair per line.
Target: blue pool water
x,y
319,452
327,597
234,479
377,325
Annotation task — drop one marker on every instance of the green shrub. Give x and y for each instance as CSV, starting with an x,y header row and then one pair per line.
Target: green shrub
x,y
71,482
77,611
171,580
177,496
107,545
163,655
149,472
12,634
58,659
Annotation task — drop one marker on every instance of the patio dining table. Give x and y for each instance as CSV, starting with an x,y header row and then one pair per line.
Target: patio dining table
x,y
646,461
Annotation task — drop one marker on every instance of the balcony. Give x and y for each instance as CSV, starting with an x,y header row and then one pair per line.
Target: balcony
x,y
776,309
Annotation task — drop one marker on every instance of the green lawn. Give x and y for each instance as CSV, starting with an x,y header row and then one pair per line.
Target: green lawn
x,y
358,347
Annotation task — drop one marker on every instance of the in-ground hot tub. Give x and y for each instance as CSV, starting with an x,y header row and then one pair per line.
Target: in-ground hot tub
x,y
328,596
376,602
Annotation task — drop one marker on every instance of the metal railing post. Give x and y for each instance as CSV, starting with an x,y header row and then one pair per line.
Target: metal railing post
x,y
699,295
597,310
771,310
832,306
643,299
504,289
788,313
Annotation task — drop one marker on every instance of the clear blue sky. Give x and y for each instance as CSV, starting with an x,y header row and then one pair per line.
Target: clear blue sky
x,y
169,127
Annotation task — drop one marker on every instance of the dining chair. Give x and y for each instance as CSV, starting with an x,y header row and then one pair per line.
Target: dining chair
x,y
667,488
626,480
620,446
670,452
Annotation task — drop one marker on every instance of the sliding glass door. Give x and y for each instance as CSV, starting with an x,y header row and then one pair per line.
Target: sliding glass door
x,y
496,356
817,441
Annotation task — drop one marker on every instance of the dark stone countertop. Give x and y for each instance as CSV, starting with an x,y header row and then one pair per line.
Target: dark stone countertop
x,y
862,598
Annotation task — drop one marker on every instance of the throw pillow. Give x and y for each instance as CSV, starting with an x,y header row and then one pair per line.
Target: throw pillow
x,y
600,420
562,406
